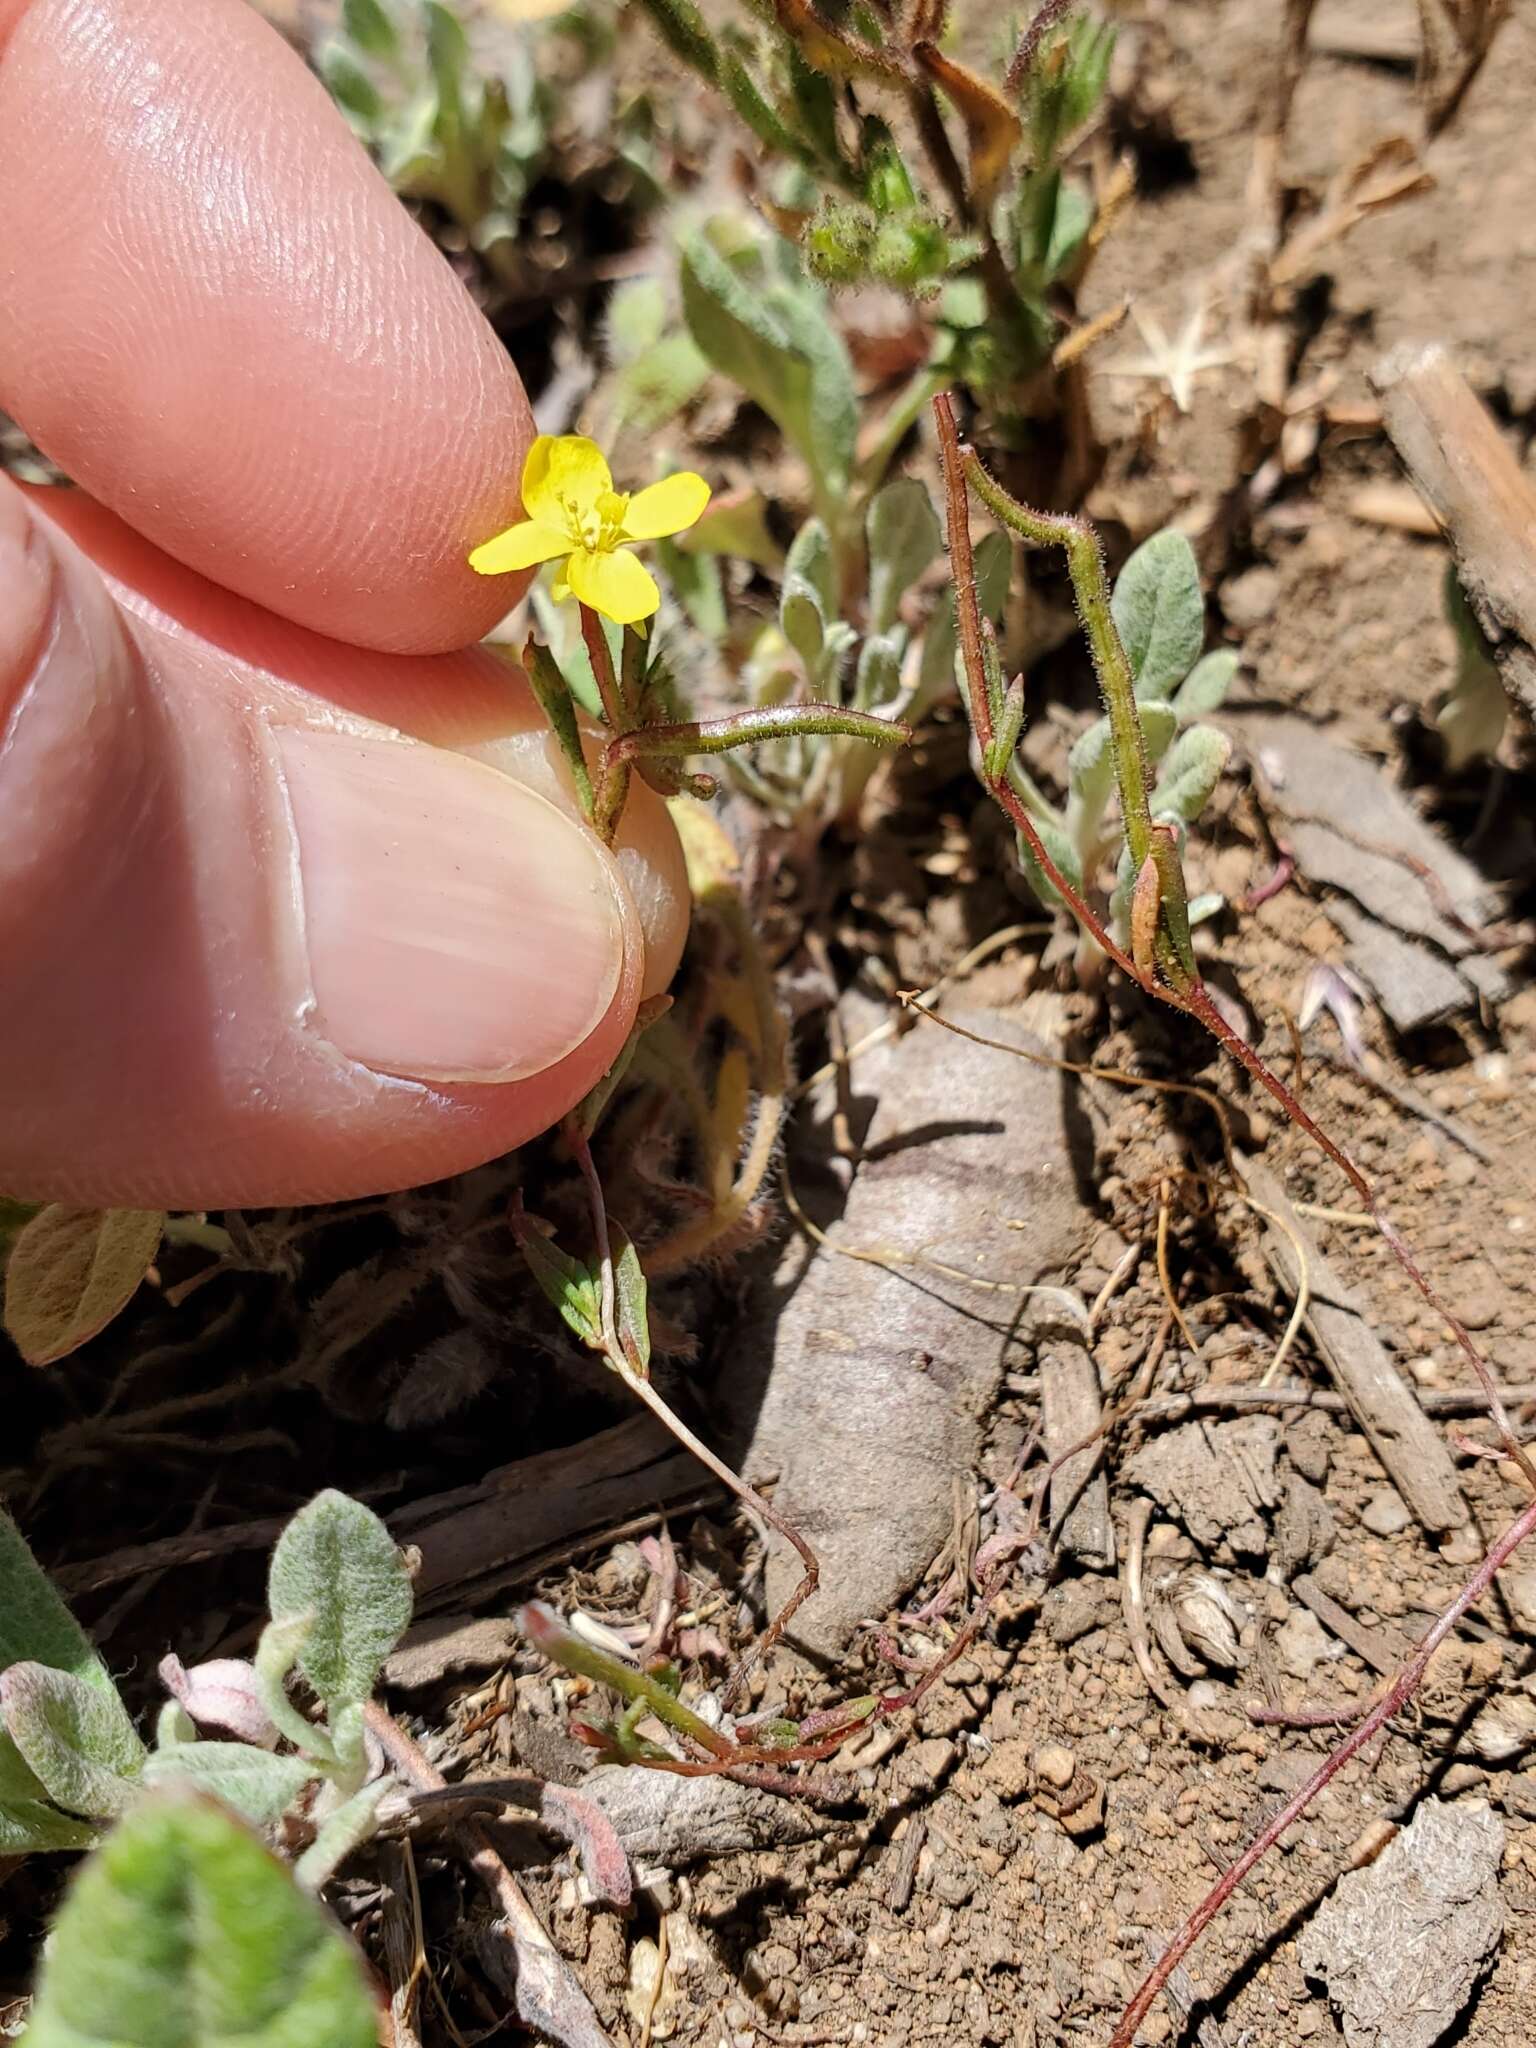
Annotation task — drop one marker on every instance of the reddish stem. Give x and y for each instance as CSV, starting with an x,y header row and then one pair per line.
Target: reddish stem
x,y
1402,1689
1189,994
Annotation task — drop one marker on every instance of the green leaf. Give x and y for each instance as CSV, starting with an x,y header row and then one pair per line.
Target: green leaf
x,y
183,1932
27,1823
258,1785
1090,777
746,96
35,1625
71,1271
76,1739
806,600
736,524
696,584
635,320
904,536
337,1563
368,25
658,385
877,680
1159,723
994,571
565,1282
1205,688
352,1824
447,52
1057,842
1160,612
1071,218
774,338
630,1310
350,86
683,29
1190,773
554,698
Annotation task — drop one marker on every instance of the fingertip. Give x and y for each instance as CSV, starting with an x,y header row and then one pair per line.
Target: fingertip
x,y
216,316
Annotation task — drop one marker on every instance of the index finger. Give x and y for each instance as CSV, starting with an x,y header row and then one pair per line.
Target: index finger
x,y
215,315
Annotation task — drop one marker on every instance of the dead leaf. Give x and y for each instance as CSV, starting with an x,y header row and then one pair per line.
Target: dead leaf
x,y
992,128
71,1271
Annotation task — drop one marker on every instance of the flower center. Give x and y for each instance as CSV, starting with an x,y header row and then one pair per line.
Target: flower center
x,y
598,524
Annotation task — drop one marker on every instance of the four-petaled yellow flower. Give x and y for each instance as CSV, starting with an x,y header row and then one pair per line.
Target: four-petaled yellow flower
x,y
576,517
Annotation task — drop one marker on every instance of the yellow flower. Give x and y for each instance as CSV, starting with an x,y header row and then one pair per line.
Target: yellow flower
x,y
576,517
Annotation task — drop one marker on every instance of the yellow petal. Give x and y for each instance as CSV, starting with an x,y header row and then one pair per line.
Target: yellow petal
x,y
563,479
520,547
666,507
613,583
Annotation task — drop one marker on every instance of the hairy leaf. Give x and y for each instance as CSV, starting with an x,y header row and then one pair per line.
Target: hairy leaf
x,y
257,1784
1191,772
352,1824
183,1932
1058,844
878,678
565,1283
71,1271
75,1738
1160,612
27,1822
1205,688
337,1563
773,337
805,598
35,1625
629,1308
369,25
904,536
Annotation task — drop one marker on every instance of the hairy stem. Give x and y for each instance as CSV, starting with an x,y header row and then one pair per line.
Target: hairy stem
x,y
1174,983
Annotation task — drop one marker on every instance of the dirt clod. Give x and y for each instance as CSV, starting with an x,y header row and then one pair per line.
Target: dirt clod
x,y
1401,1945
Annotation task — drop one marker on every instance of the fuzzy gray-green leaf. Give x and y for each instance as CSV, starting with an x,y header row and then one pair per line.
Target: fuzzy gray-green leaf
x,y
337,1563
772,336
35,1625
805,597
255,1783
183,1932
27,1822
1205,688
1160,612
1190,773
904,536
76,1739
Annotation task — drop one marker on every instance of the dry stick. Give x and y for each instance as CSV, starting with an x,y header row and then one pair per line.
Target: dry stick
x,y
548,1995
1179,990
1391,1702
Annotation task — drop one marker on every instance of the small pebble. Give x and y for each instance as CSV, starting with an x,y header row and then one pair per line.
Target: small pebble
x,y
1056,1765
1384,1514
1461,1547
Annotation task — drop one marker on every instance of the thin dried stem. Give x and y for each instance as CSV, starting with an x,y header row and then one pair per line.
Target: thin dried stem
x,y
1391,1702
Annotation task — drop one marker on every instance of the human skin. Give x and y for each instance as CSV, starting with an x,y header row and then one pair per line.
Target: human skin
x,y
295,902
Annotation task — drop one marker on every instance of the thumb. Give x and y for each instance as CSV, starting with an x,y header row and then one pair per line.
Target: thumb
x,y
262,949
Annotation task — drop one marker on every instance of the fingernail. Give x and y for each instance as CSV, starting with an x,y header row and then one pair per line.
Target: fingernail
x,y
26,597
458,927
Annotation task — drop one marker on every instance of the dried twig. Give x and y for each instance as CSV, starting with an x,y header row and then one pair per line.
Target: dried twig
x,y
1479,493
547,1994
